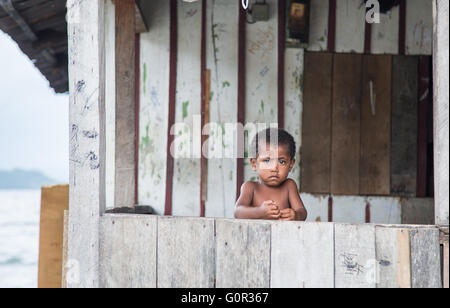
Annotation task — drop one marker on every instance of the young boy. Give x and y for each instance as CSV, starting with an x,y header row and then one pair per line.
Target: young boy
x,y
274,196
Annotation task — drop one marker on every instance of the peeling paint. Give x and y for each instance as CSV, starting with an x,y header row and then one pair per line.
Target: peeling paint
x,y
185,109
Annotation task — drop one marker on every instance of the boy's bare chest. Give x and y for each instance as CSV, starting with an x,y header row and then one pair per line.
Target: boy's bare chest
x,y
279,195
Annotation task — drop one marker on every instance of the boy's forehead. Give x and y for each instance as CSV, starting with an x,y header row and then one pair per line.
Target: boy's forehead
x,y
270,149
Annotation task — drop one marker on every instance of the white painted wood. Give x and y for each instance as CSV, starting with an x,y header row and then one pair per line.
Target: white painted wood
x,y
393,257
242,254
425,258
386,33
349,209
441,119
350,26
293,106
128,251
419,27
261,104
355,260
87,155
302,255
318,28
186,252
154,102
110,101
186,177
222,60
385,210
316,206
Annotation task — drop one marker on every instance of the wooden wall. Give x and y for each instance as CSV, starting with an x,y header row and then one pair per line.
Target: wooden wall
x,y
204,252
261,88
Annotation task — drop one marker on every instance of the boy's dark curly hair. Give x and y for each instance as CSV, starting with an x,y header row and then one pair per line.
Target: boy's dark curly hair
x,y
282,136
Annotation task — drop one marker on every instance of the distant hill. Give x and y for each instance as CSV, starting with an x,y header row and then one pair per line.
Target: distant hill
x,y
24,179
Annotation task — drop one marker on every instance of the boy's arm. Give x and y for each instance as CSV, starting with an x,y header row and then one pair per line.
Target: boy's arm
x,y
245,210
296,202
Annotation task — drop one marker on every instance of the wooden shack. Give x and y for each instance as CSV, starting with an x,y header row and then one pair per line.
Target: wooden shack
x,y
367,104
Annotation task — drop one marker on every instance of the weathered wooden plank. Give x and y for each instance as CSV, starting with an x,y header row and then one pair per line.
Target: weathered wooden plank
x,y
425,258
346,115
393,257
349,209
445,268
261,75
316,123
417,211
87,155
355,259
419,27
385,210
404,125
293,104
317,207
318,28
65,249
385,34
302,255
440,110
186,176
128,251
54,201
125,137
154,97
110,102
242,254
374,176
350,26
222,60
186,252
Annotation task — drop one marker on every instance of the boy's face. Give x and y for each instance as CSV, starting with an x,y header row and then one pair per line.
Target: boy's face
x,y
273,164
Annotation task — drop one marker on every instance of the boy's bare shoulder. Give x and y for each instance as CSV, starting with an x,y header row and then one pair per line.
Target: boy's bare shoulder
x,y
249,186
291,184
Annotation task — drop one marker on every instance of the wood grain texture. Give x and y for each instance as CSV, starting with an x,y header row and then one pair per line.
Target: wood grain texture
x,y
293,104
346,117
440,111
355,258
54,202
302,255
242,254
350,25
419,27
154,107
393,257
316,123
125,137
222,60
425,258
404,125
186,252
187,173
86,155
124,263
375,126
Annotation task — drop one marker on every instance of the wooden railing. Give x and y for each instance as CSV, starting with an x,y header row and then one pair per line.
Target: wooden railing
x,y
156,251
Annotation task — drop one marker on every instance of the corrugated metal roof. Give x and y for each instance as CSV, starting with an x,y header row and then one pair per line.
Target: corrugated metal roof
x,y
41,35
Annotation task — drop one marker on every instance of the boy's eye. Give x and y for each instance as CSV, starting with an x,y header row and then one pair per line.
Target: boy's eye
x,y
282,162
266,161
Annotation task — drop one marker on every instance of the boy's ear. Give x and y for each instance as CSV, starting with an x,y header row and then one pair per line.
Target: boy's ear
x,y
291,165
253,163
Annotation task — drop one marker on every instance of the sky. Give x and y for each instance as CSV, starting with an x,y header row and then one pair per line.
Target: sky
x,y
34,121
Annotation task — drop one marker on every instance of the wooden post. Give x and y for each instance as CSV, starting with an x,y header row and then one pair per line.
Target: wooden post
x,y
87,145
440,73
125,181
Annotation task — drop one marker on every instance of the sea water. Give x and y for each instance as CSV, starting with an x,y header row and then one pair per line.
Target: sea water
x,y
19,238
